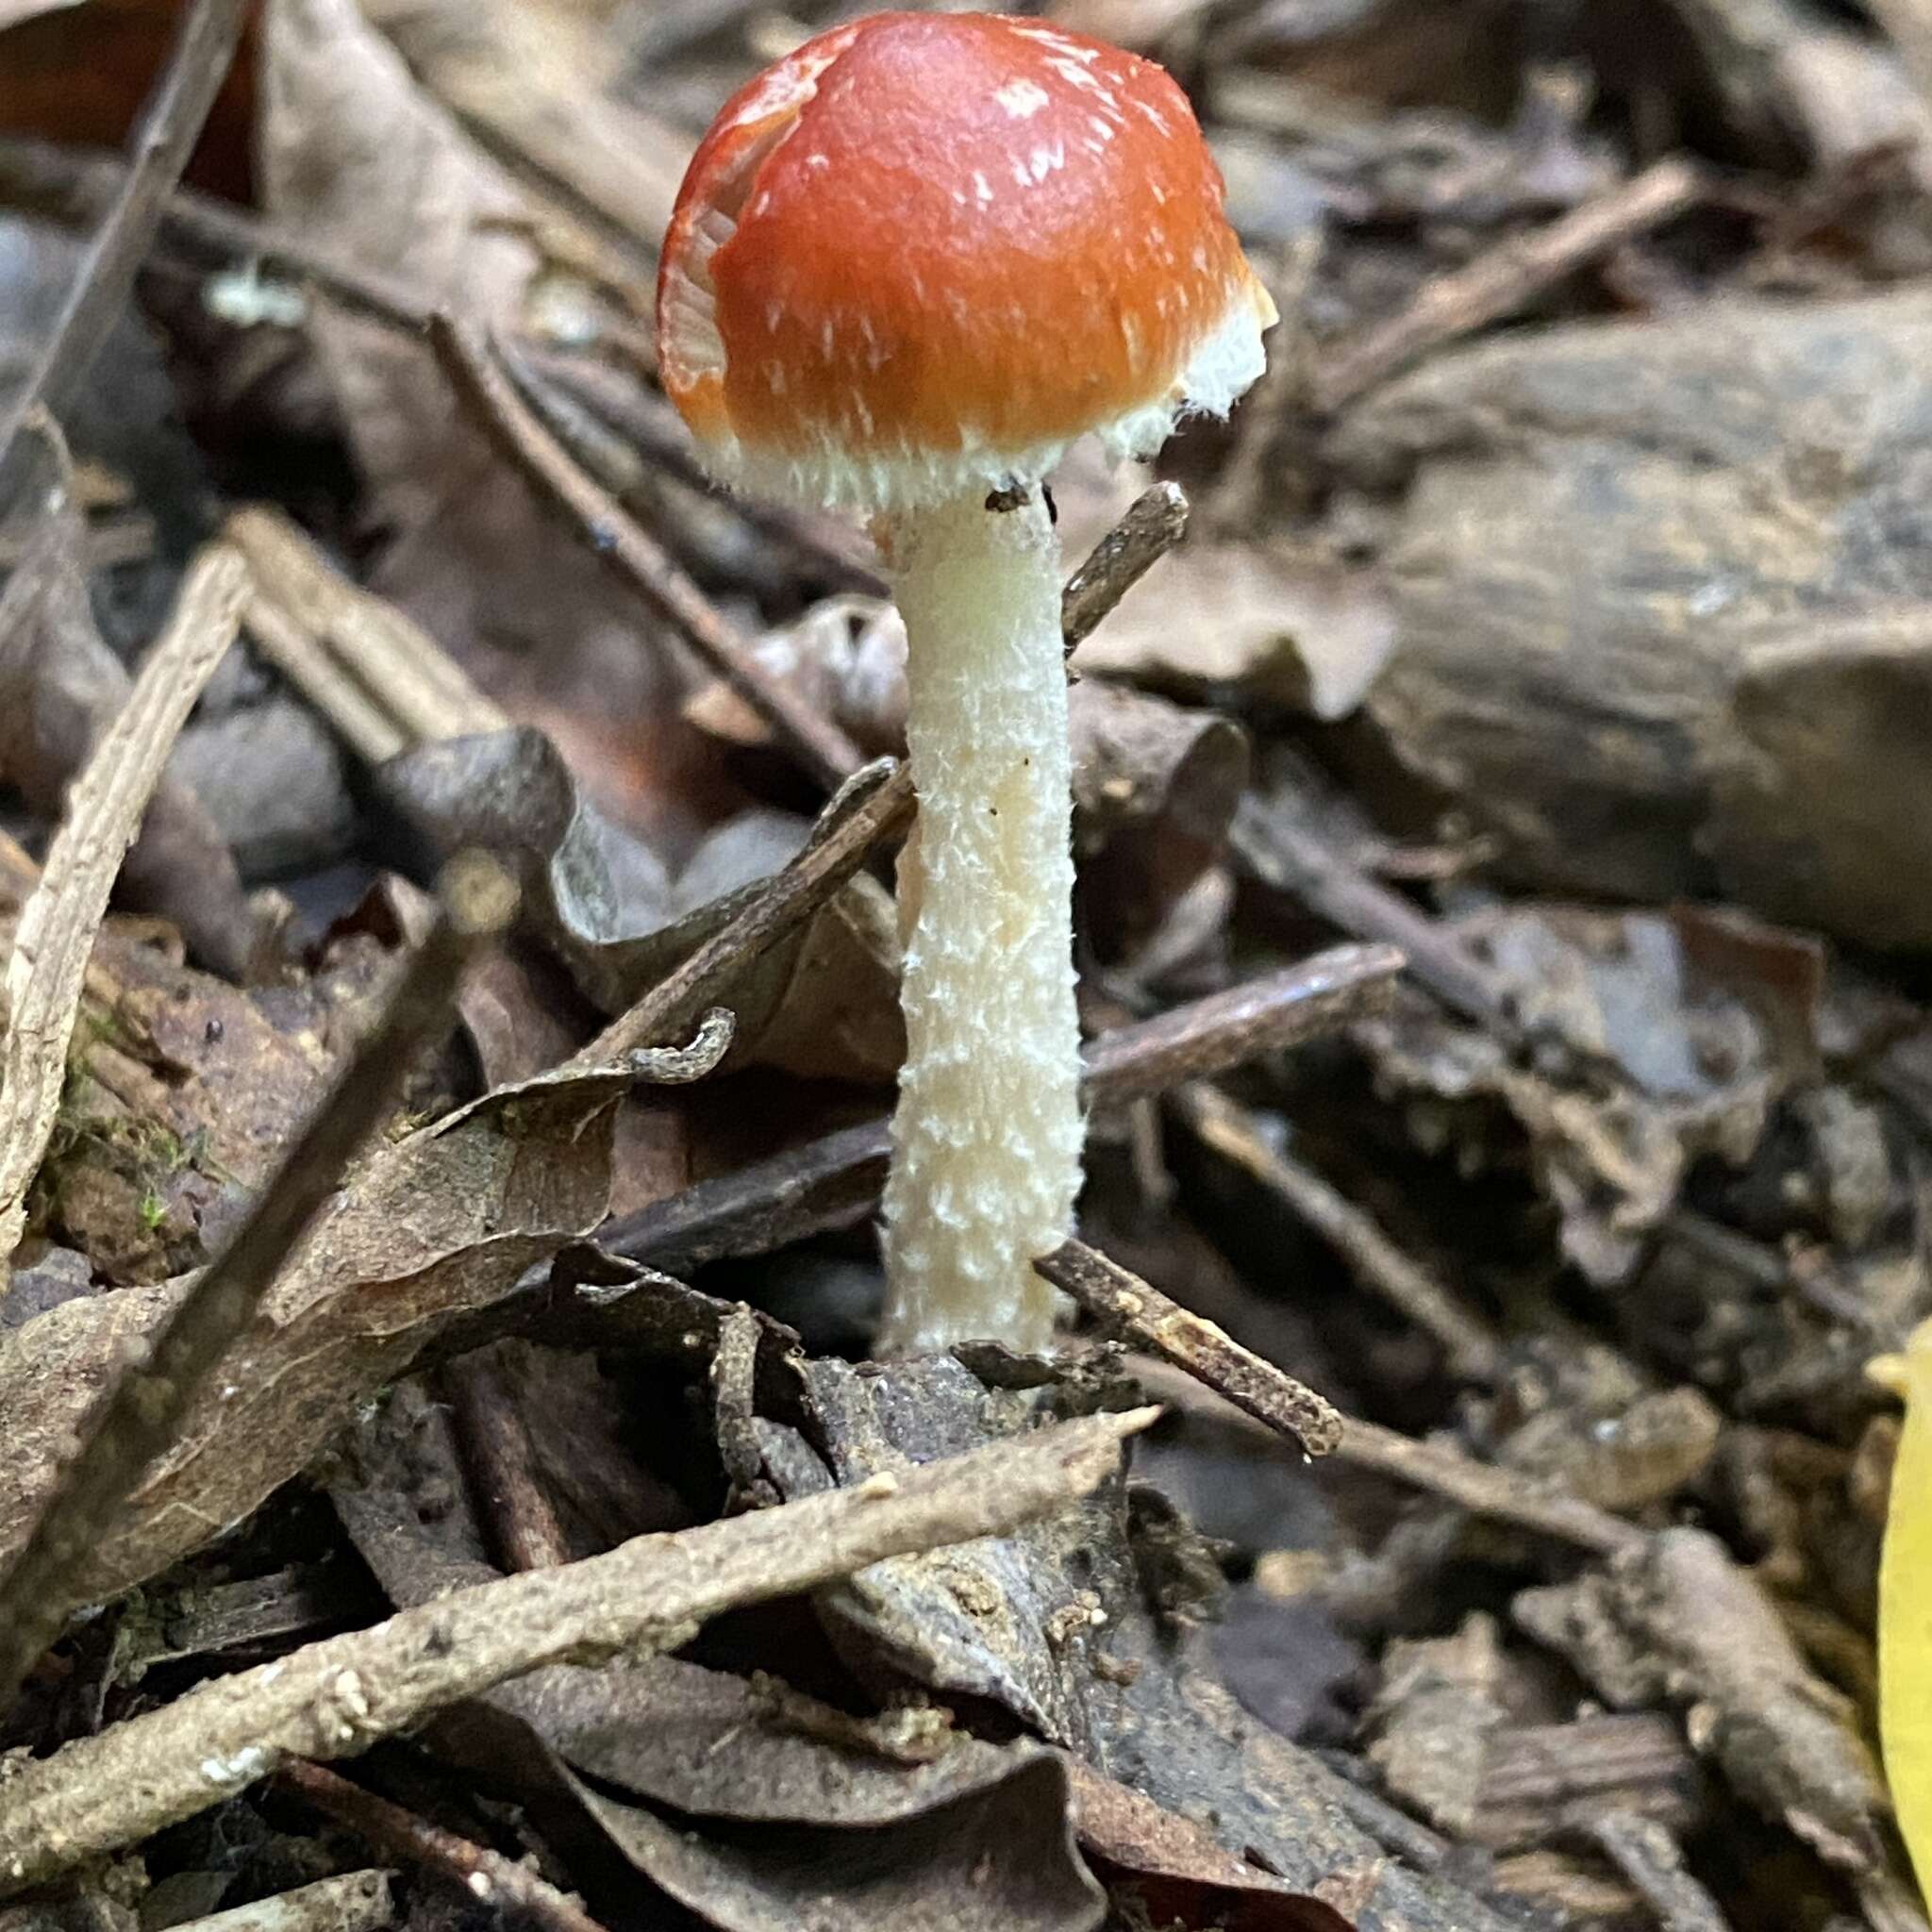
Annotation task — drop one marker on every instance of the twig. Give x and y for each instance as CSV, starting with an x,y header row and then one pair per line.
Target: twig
x,y
832,1180
137,1418
169,124
1500,281
875,804
621,542
47,970
1122,1301
1648,1856
1287,858
1276,1010
472,1869
501,1464
1483,1489
75,184
1471,1346
352,650
338,1697
1156,521
359,719
618,430
352,1902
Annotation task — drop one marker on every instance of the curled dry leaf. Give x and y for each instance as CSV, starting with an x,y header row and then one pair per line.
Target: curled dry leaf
x,y
1176,1872
441,1222
824,1002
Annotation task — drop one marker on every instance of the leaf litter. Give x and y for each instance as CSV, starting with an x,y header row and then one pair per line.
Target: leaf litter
x,y
1552,616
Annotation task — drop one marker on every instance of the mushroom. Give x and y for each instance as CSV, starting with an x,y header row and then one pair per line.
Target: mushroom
x,y
910,263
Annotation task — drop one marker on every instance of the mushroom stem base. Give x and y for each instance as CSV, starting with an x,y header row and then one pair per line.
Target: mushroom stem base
x,y
986,1140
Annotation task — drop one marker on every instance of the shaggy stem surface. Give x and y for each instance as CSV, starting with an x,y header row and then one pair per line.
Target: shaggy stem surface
x,y
986,1140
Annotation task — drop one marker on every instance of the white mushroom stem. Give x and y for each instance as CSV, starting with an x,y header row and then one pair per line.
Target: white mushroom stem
x,y
986,1141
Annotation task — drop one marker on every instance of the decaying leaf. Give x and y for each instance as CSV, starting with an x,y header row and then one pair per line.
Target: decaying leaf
x,y
182,1094
981,1840
1693,1069
756,1807
1175,1870
1277,627
440,1223
823,1003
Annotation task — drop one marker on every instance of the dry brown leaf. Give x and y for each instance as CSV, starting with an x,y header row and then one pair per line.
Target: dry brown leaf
x,y
443,1222
1264,623
536,79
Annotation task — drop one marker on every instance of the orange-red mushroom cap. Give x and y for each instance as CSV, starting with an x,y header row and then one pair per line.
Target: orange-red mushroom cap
x,y
923,252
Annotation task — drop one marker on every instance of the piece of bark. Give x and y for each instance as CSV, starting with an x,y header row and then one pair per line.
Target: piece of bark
x,y
1675,1618
1631,563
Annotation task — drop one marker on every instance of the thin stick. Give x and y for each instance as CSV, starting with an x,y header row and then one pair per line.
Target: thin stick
x,y
834,1179
1276,1010
615,428
70,184
361,721
863,814
1474,1347
1484,1488
636,558
371,647
1120,1300
1651,1860
332,1699
1156,521
472,1869
47,970
1500,281
1286,859
137,1418
507,1492
169,124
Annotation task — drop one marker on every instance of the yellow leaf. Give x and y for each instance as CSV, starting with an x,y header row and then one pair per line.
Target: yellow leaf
x,y
1905,1604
